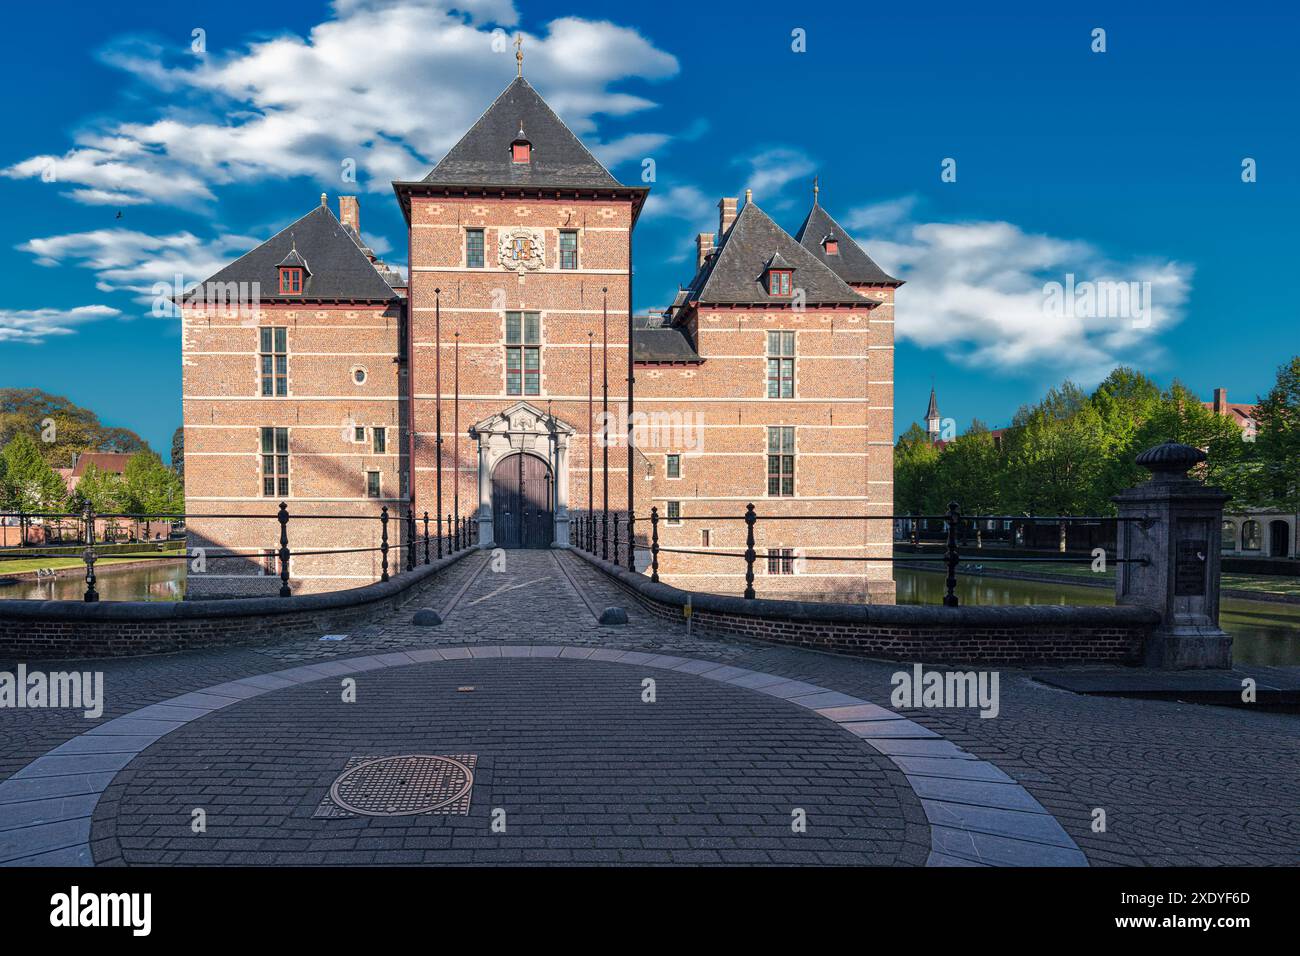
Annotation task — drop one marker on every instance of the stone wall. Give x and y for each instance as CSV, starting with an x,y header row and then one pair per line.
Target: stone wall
x,y
985,635
72,629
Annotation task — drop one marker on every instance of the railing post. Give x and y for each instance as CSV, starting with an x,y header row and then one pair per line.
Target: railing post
x,y
426,537
283,518
654,544
410,539
449,548
604,536
88,556
616,537
439,530
631,541
383,543
951,556
750,519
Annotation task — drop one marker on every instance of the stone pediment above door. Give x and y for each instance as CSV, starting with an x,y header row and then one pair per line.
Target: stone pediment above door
x,y
521,420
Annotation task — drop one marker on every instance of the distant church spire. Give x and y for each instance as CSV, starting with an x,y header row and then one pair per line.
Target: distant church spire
x,y
932,417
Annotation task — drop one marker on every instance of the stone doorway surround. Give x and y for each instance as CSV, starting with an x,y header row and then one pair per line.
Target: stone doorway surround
x,y
523,427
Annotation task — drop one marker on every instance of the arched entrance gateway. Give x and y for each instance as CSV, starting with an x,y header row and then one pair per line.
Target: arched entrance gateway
x,y
522,507
523,484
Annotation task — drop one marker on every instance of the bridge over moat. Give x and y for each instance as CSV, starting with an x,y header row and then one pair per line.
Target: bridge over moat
x,y
742,742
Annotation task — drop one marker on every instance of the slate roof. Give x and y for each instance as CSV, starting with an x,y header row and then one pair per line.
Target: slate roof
x,y
339,267
654,341
851,263
482,157
932,411
734,273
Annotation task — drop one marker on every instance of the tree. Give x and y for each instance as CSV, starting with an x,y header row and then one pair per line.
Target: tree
x,y
916,464
1124,401
30,484
178,451
1276,483
66,429
150,486
104,491
969,473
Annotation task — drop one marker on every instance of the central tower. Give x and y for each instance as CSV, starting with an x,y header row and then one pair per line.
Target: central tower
x,y
520,304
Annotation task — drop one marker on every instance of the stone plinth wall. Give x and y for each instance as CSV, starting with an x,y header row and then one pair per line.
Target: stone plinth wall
x,y
72,629
985,635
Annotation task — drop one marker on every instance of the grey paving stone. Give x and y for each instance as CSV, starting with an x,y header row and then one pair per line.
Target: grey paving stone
x,y
485,652
698,667
78,855
896,729
46,788
942,859
105,744
754,680
952,767
829,698
444,653
789,689
129,726
906,747
844,715
43,838
1037,827
1006,795
543,650
1000,850
605,654
725,673
58,765
667,661
577,653
13,815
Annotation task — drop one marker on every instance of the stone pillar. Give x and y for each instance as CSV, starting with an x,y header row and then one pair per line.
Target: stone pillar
x,y
1181,543
485,539
561,491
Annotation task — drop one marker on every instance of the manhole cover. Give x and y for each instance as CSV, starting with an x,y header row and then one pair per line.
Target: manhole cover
x,y
401,786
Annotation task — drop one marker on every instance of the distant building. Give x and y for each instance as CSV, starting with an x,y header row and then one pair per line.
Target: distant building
x,y
113,463
1253,532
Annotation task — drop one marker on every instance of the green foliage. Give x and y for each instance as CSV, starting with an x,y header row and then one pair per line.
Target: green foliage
x,y
1276,480
62,429
1071,452
29,483
178,451
104,491
150,486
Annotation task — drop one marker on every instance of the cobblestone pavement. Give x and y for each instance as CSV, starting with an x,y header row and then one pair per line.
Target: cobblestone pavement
x,y
1179,783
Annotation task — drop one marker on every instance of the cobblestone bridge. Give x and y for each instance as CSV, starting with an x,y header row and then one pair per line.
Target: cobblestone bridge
x,y
632,744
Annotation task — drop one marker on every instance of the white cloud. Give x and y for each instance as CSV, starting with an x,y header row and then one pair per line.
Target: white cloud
x,y
976,291
389,85
130,261
680,202
771,170
34,325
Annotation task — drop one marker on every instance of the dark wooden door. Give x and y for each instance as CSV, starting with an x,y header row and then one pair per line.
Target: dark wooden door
x,y
1278,546
521,503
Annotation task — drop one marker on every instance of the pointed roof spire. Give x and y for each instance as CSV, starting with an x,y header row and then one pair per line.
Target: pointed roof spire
x,y
932,412
519,54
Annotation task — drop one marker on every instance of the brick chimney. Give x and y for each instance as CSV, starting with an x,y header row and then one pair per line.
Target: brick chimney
x,y
726,214
703,248
350,212
1220,401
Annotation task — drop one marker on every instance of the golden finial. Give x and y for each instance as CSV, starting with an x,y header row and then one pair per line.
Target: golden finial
x,y
519,53
815,190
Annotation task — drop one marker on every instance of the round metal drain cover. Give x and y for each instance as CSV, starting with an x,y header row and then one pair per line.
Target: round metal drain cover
x,y
400,786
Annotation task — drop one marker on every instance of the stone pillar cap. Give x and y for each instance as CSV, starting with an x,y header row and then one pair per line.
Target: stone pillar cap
x,y
1170,461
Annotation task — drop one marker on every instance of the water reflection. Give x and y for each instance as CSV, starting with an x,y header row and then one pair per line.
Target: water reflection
x,y
1262,632
162,580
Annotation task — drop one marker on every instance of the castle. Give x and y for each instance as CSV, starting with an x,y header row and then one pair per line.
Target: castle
x,y
500,380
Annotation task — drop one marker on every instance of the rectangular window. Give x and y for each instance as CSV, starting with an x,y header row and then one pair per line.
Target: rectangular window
x,y
704,537
275,462
780,461
381,440
290,281
372,484
674,466
270,566
674,512
568,249
359,434
474,248
274,350
780,365
780,561
523,353
778,282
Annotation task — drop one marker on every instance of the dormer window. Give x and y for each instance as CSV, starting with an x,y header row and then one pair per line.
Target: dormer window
x,y
521,150
290,281
293,272
831,245
780,277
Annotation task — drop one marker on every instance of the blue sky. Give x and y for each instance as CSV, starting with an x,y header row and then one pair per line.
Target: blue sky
x,y
1120,166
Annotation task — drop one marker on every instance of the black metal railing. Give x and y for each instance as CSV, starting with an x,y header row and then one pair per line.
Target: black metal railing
x,y
460,531
592,536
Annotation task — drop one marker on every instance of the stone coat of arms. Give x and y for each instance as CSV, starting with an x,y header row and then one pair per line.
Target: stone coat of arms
x,y
520,249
